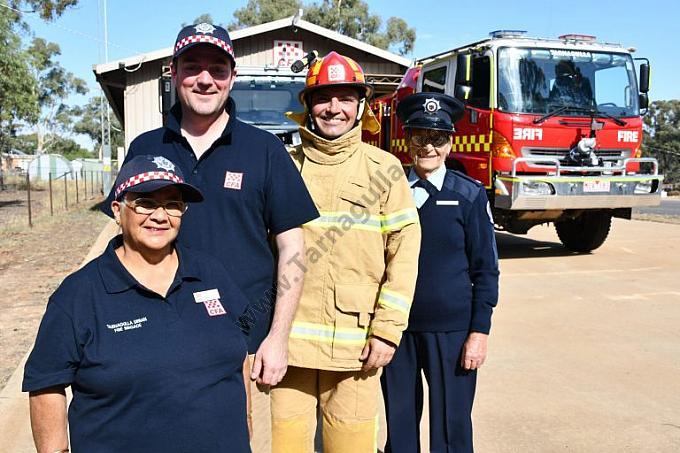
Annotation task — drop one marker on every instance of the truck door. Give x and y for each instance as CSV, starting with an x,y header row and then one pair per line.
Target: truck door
x,y
472,139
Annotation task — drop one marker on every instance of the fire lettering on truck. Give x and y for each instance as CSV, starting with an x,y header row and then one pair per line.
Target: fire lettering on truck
x,y
628,136
527,133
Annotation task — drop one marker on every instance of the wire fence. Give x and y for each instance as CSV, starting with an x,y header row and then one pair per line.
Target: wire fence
x,y
25,200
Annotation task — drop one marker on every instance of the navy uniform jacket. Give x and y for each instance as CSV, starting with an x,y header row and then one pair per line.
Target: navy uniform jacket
x,y
457,285
251,188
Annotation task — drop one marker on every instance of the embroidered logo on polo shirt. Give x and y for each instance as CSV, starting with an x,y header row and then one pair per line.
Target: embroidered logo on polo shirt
x,y
211,301
233,180
127,325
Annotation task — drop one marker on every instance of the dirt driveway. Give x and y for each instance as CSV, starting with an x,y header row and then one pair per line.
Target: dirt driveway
x,y
32,264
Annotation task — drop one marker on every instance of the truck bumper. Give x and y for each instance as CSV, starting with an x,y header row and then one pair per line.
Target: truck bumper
x,y
522,192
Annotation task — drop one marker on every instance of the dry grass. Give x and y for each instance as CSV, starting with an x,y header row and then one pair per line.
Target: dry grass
x,y
33,261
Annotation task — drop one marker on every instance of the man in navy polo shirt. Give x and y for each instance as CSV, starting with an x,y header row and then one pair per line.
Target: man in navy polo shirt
x,y
252,190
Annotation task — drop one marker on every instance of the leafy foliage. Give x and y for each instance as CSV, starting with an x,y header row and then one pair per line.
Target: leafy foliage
x,y
18,88
54,85
350,17
47,9
89,123
662,137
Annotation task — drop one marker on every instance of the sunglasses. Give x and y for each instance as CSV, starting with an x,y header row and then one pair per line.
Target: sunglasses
x,y
147,206
434,138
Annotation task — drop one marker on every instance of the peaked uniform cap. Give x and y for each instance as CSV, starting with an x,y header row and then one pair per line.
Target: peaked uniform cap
x,y
147,173
203,33
430,111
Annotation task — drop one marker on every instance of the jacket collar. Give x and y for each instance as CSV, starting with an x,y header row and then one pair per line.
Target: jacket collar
x,y
330,152
117,279
174,119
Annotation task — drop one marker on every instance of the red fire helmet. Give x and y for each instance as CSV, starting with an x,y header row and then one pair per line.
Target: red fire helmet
x,y
335,70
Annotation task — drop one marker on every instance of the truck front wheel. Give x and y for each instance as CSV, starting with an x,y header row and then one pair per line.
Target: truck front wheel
x,y
584,233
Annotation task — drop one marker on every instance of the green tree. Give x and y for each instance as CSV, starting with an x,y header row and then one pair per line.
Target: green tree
x,y
262,11
55,84
18,88
89,123
350,17
47,9
662,137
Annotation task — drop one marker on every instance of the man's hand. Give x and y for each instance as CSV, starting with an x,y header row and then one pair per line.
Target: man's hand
x,y
271,360
377,353
474,351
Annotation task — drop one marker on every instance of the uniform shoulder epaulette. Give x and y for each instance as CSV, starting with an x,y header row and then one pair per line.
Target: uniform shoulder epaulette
x,y
468,187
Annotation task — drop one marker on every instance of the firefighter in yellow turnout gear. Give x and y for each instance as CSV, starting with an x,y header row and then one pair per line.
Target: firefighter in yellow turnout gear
x,y
361,266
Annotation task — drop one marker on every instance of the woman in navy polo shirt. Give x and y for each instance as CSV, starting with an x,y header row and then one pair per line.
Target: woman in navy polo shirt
x,y
147,335
456,290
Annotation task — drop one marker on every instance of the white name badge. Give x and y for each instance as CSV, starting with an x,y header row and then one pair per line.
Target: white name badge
x,y
447,202
205,296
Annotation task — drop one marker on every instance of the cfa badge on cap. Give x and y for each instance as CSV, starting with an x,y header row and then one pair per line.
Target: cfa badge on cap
x,y
165,164
431,105
204,28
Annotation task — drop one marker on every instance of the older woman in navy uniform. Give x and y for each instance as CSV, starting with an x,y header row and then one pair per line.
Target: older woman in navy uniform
x,y
147,335
456,290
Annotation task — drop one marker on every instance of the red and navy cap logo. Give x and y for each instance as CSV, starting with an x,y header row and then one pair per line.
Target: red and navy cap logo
x,y
203,33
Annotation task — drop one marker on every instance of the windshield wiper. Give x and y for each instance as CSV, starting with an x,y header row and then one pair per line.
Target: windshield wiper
x,y
555,112
573,108
618,121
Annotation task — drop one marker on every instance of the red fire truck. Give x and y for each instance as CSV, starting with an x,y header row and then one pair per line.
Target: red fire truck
x,y
552,128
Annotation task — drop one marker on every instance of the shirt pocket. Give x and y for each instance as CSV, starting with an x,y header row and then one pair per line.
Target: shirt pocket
x,y
354,308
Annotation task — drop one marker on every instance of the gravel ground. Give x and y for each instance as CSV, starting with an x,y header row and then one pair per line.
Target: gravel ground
x,y
32,264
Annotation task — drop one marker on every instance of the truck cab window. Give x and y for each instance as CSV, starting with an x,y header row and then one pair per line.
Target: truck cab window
x,y
434,80
481,82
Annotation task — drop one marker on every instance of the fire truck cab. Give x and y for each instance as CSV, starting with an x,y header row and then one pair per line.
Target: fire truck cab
x,y
552,128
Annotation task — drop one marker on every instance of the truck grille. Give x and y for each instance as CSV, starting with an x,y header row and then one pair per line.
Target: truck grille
x,y
613,155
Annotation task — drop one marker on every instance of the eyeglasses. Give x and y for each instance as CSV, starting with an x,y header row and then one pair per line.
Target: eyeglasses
x,y
434,138
147,206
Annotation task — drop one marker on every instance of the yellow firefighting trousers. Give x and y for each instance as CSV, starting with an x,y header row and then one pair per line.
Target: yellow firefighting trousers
x,y
349,407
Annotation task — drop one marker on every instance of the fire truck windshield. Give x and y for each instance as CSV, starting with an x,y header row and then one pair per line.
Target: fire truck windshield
x,y
264,102
540,81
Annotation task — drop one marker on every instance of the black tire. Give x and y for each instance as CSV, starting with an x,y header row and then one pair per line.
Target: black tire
x,y
585,233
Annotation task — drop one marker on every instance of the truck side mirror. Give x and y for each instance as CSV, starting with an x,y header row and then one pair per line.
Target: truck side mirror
x,y
644,101
463,92
644,78
463,69
165,90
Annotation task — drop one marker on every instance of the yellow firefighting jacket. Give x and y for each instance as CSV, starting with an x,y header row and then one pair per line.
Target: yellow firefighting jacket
x,y
362,252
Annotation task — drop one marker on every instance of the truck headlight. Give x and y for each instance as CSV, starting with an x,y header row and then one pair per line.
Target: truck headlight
x,y
643,187
536,188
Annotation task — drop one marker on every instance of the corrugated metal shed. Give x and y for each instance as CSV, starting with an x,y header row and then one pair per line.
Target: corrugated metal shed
x,y
132,84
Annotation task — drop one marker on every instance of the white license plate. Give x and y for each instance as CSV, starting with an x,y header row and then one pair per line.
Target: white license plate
x,y
596,186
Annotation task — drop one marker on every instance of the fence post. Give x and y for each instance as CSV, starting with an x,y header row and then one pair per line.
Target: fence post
x,y
77,196
51,203
28,189
65,193
92,183
85,183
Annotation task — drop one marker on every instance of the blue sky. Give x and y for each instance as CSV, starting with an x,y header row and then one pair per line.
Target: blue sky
x,y
142,26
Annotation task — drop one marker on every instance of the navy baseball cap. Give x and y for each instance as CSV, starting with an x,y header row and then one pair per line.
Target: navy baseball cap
x,y
203,33
430,111
144,174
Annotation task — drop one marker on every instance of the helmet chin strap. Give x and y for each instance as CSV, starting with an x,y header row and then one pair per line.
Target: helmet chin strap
x,y
360,109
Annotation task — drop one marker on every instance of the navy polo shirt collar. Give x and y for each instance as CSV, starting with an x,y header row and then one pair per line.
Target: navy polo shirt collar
x,y
174,120
117,279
